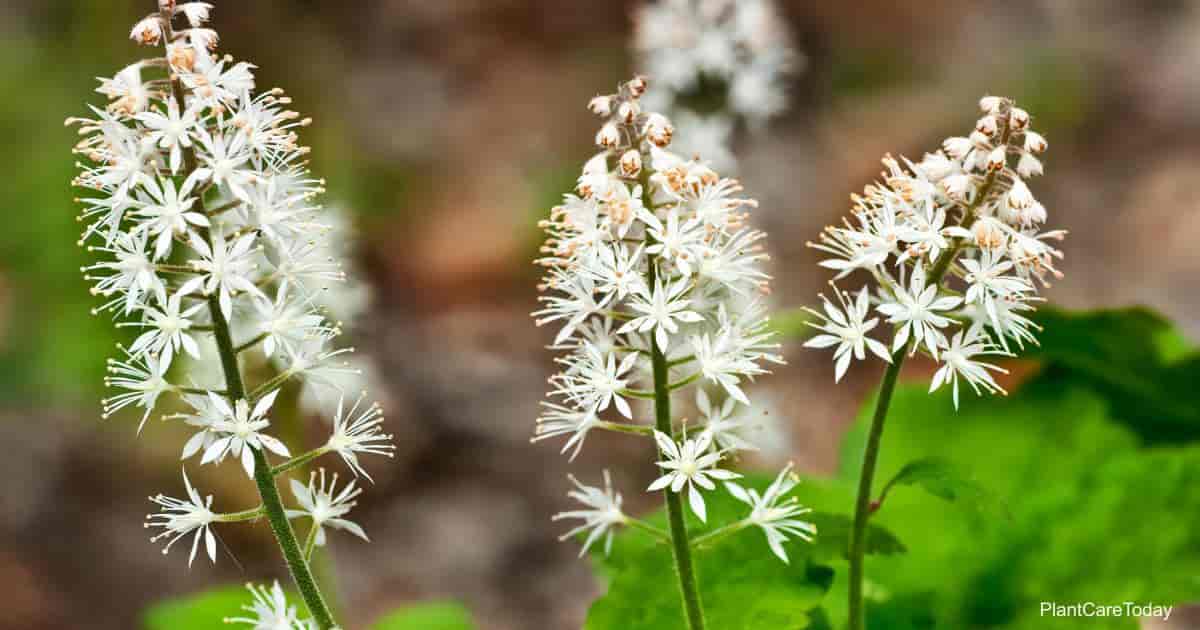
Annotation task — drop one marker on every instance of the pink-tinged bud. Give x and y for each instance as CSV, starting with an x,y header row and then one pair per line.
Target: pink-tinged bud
x,y
637,86
990,104
986,126
601,105
1019,118
1034,142
980,141
989,233
997,158
1019,196
1029,166
958,187
658,130
936,166
148,32
167,6
628,112
957,147
196,12
608,136
631,163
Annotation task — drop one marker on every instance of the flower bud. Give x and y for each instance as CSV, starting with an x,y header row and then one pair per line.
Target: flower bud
x,y
986,126
1034,142
658,130
990,104
148,32
957,147
1028,166
637,86
608,136
958,187
1019,118
1019,196
601,105
631,163
997,158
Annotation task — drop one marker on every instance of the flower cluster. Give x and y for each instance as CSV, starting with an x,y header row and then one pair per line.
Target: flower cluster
x,y
741,48
956,247
213,245
652,257
270,610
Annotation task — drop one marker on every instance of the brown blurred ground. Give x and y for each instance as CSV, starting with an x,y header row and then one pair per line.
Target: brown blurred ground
x,y
457,124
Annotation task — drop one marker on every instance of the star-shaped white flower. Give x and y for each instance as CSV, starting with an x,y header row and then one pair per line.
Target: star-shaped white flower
x,y
689,464
916,310
321,501
774,514
240,430
601,514
846,328
179,517
661,311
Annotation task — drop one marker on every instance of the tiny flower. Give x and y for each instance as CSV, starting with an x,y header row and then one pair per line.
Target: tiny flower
x,y
720,423
270,609
145,379
846,327
774,514
178,518
225,268
601,514
609,136
689,464
661,310
558,420
916,310
325,505
240,430
147,32
601,105
958,359
169,327
357,431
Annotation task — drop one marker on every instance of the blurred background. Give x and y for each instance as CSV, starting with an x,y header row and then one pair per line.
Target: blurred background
x,y
448,129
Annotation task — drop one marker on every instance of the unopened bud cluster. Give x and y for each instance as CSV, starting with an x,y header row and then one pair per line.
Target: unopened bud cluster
x,y
956,247
653,254
204,216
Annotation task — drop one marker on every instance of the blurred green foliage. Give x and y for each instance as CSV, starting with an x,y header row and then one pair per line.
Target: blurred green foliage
x,y
1057,497
202,611
431,616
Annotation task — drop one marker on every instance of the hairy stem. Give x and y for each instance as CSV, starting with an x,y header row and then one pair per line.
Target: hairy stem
x,y
862,507
272,504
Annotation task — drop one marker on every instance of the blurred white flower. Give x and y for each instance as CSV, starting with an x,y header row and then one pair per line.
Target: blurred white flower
x,y
601,514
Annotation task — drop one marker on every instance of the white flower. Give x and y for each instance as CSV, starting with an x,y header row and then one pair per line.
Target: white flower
x,y
775,514
196,12
958,359
598,379
178,518
224,159
680,242
126,90
846,328
721,425
690,464
166,213
144,377
558,420
172,131
916,310
270,609
359,430
226,268
326,505
661,310
285,321
240,430
132,277
601,514
168,330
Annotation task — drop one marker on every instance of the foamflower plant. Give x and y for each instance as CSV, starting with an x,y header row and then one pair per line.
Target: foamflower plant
x,y
654,284
209,239
954,252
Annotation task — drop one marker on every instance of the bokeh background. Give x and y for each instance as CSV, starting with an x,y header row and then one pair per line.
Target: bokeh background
x,y
448,129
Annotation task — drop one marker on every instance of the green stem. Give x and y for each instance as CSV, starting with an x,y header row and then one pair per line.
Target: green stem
x,y
300,460
648,528
272,505
862,507
250,344
237,517
719,533
310,542
681,548
632,429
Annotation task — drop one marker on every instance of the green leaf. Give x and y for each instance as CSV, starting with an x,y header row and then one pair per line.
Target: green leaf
x,y
202,611
1095,515
431,616
1133,358
833,537
943,479
742,585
